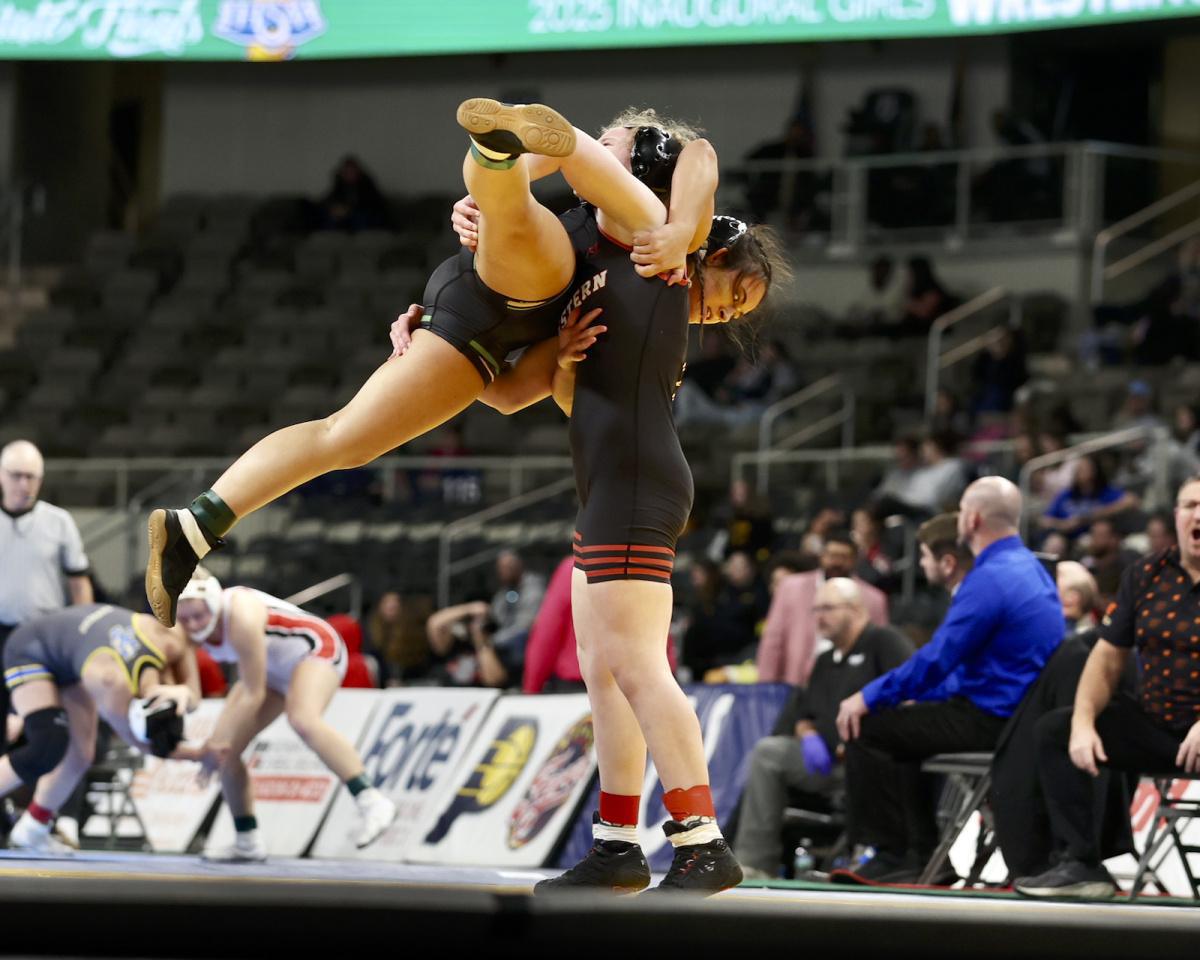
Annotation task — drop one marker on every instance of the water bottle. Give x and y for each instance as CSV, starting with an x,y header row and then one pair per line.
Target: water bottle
x,y
802,861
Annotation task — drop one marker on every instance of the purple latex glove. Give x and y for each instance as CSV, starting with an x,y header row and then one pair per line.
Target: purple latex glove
x,y
816,754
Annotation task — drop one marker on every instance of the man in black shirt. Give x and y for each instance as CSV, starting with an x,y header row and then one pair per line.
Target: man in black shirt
x,y
802,754
1157,610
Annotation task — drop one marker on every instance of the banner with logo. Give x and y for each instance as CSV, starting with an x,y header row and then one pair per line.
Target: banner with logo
x,y
733,718
518,789
412,750
169,796
292,787
282,29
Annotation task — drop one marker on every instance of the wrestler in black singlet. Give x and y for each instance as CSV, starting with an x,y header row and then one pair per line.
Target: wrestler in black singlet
x,y
634,484
484,326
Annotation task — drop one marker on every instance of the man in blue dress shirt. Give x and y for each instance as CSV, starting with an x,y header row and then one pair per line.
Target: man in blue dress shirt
x,y
954,694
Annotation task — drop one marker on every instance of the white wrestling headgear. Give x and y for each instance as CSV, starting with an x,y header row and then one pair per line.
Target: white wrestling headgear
x,y
204,586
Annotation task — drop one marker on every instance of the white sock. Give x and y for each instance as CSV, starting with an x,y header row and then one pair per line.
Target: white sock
x,y
700,830
490,154
623,833
191,530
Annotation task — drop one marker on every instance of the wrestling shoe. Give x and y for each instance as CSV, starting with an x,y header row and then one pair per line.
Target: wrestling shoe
x,y
247,848
173,559
610,865
517,128
699,868
377,813
30,835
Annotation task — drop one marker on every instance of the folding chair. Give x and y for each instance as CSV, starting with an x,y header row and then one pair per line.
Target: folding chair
x,y
1172,818
969,777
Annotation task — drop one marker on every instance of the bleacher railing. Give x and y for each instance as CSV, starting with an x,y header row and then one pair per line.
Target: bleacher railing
x,y
814,393
936,361
1103,271
1074,173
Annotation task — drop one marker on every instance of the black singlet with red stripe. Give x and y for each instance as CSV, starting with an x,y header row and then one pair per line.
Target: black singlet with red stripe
x,y
634,484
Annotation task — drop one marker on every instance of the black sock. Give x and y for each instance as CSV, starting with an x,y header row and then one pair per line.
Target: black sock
x,y
357,785
245,824
213,516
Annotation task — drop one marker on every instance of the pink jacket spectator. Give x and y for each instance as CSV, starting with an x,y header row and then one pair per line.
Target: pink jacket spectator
x,y
789,642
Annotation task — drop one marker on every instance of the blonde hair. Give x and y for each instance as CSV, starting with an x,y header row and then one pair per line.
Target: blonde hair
x,y
649,117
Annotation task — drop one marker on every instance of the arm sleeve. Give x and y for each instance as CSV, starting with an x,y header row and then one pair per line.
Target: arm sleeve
x,y
74,560
968,626
1118,626
770,648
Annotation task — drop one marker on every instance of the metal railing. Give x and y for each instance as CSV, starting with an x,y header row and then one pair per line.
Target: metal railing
x,y
936,361
1075,172
1102,272
820,390
1109,441
448,568
340,582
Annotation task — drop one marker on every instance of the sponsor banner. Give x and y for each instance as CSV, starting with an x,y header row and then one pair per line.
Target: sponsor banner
x,y
292,787
282,29
733,718
169,795
412,750
518,789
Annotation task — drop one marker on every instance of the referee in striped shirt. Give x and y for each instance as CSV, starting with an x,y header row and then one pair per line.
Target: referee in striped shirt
x,y
39,547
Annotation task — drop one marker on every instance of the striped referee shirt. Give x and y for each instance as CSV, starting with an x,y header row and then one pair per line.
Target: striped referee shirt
x,y
38,548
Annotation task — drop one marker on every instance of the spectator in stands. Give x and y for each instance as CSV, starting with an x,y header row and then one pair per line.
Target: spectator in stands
x,y
1137,409
925,299
731,634
998,371
353,202
1089,498
948,414
1156,733
880,308
802,754
1049,482
1167,320
745,392
1160,533
1057,545
1024,449
896,486
515,604
789,640
955,693
1106,558
1079,596
874,565
551,660
464,652
1185,427
747,524
403,651
1183,448
941,478
824,522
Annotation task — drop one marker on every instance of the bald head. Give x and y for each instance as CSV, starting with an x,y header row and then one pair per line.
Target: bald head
x,y
840,613
21,470
990,510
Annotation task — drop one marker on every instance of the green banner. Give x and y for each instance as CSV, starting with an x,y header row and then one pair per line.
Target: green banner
x,y
282,29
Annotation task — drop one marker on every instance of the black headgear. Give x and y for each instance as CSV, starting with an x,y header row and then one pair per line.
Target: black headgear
x,y
725,232
653,157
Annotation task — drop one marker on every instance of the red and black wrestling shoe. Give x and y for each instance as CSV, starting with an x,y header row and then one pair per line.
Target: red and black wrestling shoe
x,y
700,868
611,865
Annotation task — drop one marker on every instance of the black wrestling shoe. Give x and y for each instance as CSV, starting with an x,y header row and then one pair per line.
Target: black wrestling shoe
x,y
517,128
701,868
609,866
171,564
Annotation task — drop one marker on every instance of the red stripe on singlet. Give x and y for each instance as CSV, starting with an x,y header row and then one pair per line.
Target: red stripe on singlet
x,y
327,635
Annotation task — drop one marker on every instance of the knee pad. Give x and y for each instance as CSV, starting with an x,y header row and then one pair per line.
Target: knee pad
x,y
47,736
